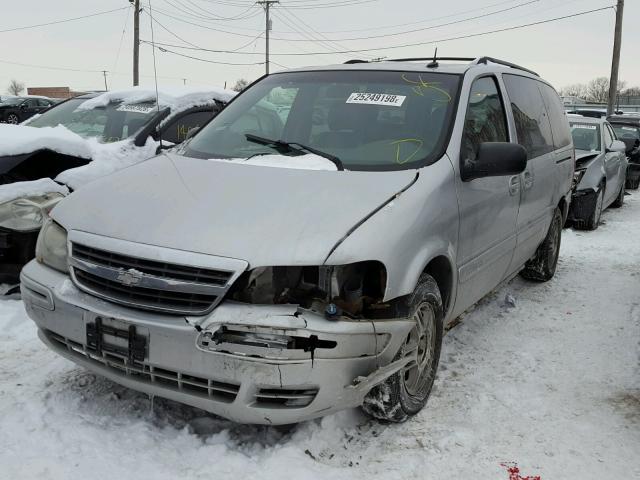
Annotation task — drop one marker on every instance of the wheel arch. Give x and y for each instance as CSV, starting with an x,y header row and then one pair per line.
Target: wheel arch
x,y
442,271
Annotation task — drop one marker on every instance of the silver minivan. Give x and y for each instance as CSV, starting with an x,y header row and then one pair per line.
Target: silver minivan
x,y
277,268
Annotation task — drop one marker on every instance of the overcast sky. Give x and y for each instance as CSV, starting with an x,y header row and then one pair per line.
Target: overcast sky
x,y
563,52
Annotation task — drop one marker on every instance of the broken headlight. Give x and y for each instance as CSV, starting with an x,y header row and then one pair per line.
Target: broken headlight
x,y
27,214
351,287
577,177
51,248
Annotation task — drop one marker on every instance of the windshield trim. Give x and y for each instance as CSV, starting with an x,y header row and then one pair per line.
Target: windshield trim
x,y
430,159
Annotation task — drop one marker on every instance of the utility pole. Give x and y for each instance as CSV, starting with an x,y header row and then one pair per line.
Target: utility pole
x,y
104,74
615,62
267,4
136,41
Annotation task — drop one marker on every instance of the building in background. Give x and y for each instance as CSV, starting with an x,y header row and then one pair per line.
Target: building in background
x,y
53,92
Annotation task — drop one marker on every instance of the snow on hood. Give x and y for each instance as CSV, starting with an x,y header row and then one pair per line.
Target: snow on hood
x,y
19,139
33,188
301,162
107,158
176,98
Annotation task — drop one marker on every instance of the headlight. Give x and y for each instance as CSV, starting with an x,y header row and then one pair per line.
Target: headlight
x,y
27,214
577,176
51,248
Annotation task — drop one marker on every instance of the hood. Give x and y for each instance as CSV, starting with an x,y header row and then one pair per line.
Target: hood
x,y
584,157
264,215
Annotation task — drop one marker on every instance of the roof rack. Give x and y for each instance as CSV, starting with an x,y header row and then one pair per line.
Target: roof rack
x,y
485,60
433,61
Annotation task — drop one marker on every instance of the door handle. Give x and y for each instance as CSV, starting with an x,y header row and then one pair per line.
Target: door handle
x,y
528,180
514,185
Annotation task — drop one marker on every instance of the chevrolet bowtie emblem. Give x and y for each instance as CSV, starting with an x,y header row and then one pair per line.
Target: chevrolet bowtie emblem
x,y
129,278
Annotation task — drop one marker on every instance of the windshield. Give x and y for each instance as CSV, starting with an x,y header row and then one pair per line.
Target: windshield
x,y
12,101
368,120
112,123
626,132
586,136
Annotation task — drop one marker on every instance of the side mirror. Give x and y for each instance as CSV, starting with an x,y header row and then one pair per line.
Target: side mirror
x,y
192,131
495,159
617,146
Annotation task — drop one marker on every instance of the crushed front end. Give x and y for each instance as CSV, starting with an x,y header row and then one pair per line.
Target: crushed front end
x,y
273,345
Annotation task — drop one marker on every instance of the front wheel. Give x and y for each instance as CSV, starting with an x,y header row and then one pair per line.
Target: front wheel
x,y
542,266
405,393
13,119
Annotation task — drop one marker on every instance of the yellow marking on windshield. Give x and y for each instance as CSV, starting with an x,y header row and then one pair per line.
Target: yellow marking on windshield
x,y
421,85
399,143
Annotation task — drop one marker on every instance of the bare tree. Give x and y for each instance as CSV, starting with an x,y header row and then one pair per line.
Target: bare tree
x,y
598,89
15,87
631,92
241,85
575,90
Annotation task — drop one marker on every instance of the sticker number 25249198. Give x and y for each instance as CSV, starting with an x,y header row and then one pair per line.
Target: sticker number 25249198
x,y
376,99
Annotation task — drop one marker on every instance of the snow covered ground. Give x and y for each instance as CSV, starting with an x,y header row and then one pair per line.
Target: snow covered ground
x,y
549,381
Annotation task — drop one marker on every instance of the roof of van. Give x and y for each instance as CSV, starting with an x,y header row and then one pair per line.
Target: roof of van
x,y
424,65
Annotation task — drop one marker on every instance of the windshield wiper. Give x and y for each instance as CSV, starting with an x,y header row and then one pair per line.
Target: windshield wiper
x,y
295,147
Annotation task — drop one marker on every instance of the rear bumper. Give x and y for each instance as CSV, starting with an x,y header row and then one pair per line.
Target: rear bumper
x,y
235,376
633,171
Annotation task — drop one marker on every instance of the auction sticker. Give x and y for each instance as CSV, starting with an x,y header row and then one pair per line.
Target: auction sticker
x,y
582,125
136,108
376,99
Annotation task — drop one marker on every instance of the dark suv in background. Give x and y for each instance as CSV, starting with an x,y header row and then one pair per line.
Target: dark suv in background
x,y
18,109
627,128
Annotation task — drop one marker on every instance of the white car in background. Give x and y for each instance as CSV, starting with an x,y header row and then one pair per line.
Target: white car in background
x,y
82,139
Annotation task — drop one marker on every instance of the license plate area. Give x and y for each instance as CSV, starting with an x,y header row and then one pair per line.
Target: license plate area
x,y
114,337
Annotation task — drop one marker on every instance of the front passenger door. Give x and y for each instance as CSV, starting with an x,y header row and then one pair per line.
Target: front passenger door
x,y
612,165
488,206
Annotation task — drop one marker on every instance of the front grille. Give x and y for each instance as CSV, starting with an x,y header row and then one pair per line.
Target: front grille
x,y
285,397
148,284
152,267
144,372
150,299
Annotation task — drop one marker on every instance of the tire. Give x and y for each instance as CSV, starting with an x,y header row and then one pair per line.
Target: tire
x,y
542,266
405,393
619,201
632,184
592,222
13,119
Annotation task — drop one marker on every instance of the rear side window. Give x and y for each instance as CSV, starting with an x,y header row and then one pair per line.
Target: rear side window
x,y
485,120
531,119
557,116
177,129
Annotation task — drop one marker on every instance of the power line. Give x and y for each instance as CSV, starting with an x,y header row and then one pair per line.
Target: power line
x,y
391,47
431,27
164,50
63,21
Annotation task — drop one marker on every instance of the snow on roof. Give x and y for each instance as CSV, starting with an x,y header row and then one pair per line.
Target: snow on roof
x,y
32,188
180,98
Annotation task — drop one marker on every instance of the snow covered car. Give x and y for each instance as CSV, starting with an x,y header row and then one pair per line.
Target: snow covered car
x,y
18,109
79,140
627,129
276,271
600,173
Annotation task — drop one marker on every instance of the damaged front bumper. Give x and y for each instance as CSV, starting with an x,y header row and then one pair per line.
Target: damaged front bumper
x,y
272,364
16,249
583,202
